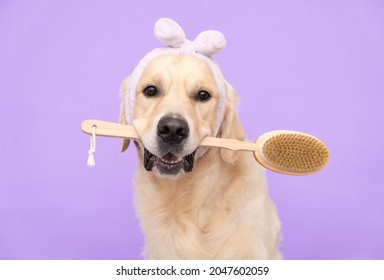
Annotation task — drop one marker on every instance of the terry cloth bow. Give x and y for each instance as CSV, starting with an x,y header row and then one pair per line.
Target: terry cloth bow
x,y
203,47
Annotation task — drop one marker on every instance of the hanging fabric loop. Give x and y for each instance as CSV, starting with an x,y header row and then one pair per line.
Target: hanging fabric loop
x,y
92,149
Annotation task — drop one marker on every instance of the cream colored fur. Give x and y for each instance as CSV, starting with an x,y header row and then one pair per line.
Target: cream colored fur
x,y
220,210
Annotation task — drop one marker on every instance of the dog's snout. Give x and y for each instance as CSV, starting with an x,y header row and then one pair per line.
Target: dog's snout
x,y
172,129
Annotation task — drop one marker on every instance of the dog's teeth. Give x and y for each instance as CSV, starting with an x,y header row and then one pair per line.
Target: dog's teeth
x,y
170,162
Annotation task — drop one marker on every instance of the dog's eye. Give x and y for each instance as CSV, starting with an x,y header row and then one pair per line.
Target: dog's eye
x,y
203,96
150,91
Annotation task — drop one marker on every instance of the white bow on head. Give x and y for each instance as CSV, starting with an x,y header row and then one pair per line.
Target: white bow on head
x,y
206,43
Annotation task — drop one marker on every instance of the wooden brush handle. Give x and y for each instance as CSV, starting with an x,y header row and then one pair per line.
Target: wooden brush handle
x,y
111,129
231,144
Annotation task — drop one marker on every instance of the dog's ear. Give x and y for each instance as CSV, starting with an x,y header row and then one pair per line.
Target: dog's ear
x,y
230,126
122,120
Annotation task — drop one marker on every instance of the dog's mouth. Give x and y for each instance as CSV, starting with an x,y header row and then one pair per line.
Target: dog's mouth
x,y
168,164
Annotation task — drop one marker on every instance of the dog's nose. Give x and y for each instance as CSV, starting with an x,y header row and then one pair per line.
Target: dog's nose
x,y
172,129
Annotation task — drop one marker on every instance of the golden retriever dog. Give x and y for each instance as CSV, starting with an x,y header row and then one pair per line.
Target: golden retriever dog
x,y
209,206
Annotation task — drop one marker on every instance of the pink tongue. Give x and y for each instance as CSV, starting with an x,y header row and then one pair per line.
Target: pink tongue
x,y
170,157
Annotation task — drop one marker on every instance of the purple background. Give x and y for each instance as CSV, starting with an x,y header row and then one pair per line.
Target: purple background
x,y
312,66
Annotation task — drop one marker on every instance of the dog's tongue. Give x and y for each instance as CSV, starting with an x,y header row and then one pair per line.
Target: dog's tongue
x,y
170,157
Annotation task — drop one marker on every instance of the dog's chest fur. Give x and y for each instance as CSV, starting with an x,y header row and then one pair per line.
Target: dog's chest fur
x,y
209,213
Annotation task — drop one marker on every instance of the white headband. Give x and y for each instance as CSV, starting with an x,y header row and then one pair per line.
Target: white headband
x,y
203,47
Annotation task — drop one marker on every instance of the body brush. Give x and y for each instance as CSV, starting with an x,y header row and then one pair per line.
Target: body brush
x,y
283,151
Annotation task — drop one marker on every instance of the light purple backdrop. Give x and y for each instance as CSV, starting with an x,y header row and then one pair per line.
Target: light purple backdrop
x,y
313,66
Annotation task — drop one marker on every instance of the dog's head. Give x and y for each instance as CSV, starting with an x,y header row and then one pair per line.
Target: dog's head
x,y
175,102
175,108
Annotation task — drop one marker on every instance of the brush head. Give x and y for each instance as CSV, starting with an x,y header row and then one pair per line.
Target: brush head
x,y
291,152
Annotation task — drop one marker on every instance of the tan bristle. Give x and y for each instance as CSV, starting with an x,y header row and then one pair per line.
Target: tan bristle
x,y
295,152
